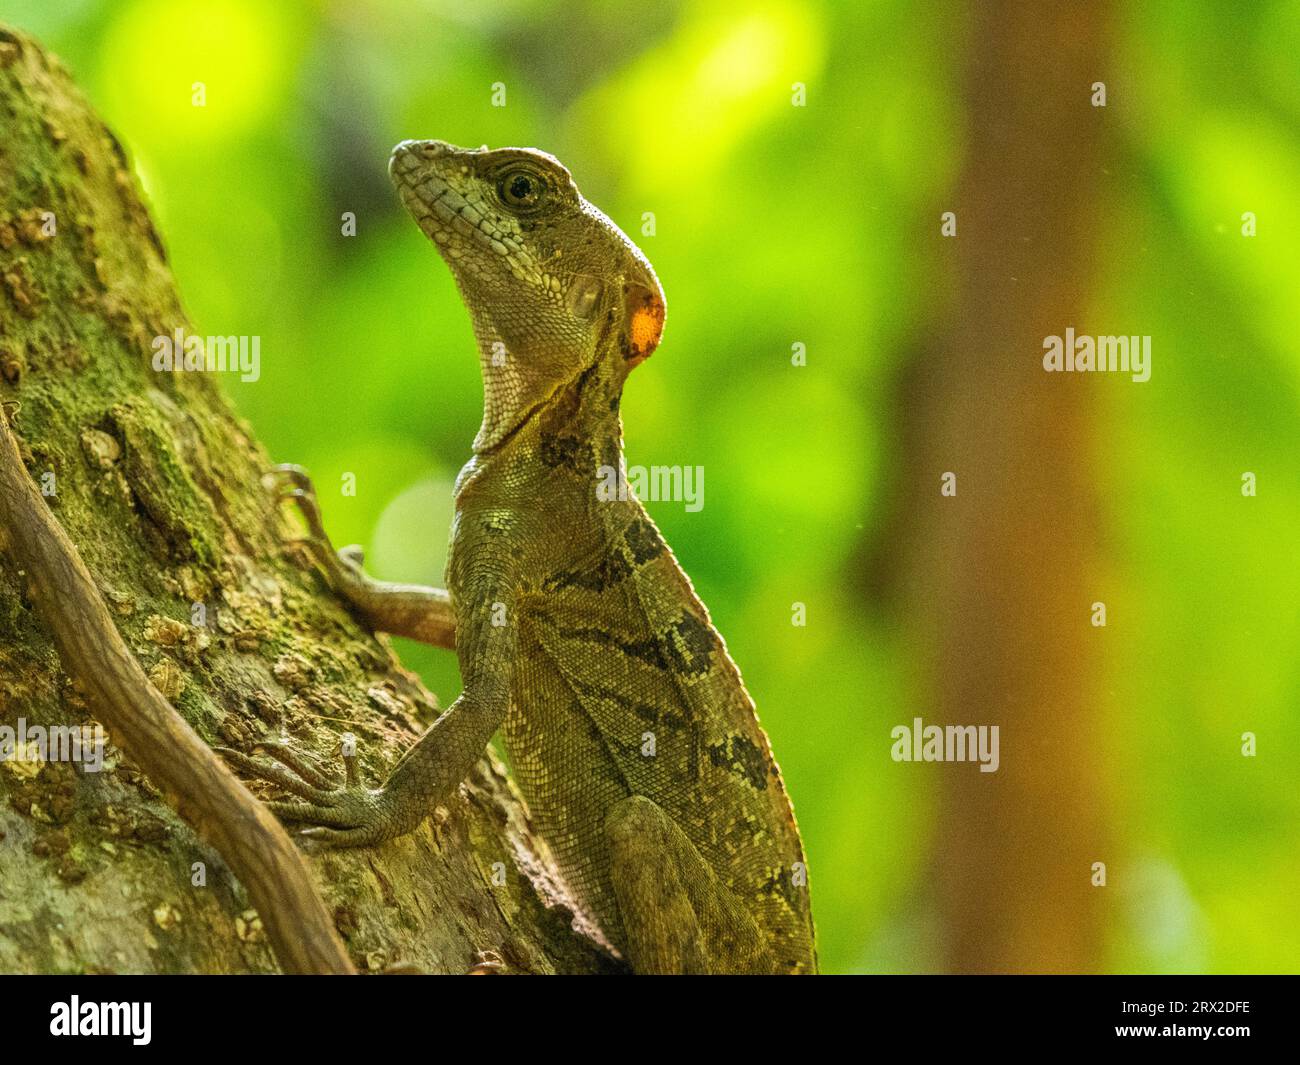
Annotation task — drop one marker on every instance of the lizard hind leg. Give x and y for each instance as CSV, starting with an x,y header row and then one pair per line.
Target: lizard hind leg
x,y
678,917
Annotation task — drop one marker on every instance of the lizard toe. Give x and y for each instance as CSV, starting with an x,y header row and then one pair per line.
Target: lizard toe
x,y
342,837
310,813
355,817
262,770
305,767
307,506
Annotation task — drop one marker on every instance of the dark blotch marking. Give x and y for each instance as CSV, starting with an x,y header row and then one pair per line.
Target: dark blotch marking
x,y
650,651
670,718
778,883
742,756
567,452
689,645
609,571
644,540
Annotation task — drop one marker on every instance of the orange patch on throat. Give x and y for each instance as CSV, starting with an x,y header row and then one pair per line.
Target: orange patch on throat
x,y
645,329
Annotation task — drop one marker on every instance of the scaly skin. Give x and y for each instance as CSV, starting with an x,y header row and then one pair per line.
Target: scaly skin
x,y
577,632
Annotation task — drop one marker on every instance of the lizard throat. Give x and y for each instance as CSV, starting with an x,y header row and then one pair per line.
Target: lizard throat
x,y
590,399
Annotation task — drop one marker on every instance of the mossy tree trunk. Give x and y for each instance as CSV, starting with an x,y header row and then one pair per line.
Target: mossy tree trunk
x,y
159,486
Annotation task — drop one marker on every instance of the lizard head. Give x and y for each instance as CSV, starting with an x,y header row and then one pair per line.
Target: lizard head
x,y
553,287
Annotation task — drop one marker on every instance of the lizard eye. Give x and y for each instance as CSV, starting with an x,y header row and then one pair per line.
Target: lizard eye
x,y
520,189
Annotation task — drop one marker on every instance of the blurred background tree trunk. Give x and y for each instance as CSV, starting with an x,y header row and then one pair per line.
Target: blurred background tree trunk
x,y
159,486
1004,574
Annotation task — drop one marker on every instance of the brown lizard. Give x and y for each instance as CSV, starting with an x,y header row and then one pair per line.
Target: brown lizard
x,y
627,724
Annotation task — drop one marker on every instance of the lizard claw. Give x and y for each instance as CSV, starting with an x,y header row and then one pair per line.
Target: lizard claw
x,y
292,484
347,816
343,569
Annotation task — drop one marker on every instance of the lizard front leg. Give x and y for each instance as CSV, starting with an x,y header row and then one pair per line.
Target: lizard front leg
x,y
411,610
678,917
354,815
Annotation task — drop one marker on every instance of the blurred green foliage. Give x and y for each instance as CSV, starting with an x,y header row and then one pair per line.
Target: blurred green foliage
x,y
776,225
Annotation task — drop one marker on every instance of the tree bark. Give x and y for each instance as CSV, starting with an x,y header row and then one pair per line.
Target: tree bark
x,y
159,487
